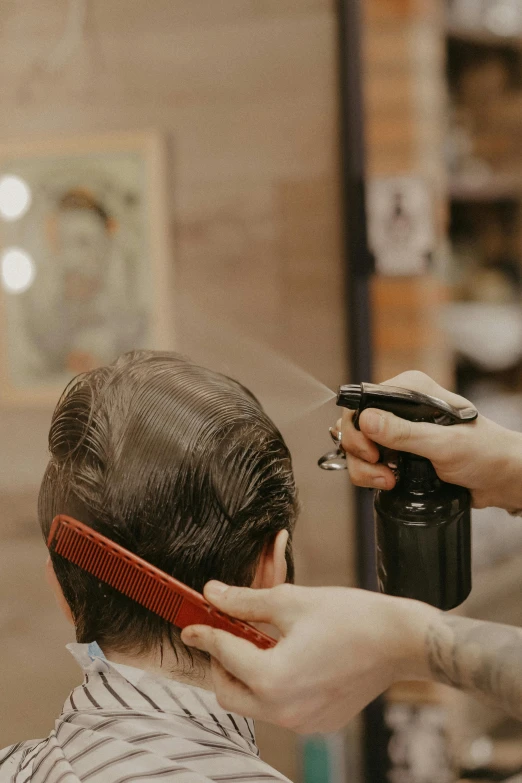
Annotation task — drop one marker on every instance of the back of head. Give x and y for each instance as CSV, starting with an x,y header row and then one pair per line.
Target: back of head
x,y
178,464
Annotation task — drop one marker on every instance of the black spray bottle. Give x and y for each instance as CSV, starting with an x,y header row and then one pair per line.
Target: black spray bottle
x,y
423,524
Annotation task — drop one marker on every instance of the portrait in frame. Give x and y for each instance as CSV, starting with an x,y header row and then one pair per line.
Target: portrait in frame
x,y
86,267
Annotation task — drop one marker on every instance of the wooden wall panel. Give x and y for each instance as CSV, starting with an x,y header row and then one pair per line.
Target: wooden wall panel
x,y
406,328
404,100
246,92
378,11
382,10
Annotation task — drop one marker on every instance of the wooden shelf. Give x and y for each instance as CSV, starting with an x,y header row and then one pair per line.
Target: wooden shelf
x,y
482,37
497,187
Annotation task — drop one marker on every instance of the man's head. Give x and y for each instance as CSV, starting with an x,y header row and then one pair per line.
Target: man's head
x,y
81,231
176,463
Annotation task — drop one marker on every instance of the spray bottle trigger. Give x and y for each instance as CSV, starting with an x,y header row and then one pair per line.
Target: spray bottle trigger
x,y
390,458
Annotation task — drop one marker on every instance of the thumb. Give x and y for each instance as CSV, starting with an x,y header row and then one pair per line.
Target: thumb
x,y
399,434
244,603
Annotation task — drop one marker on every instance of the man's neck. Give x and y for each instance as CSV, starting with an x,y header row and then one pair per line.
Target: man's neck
x,y
181,669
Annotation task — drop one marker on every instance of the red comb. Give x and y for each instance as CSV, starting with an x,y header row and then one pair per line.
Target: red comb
x,y
141,581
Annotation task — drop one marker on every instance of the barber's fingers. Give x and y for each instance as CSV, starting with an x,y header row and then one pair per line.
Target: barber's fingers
x,y
232,694
363,474
355,442
240,658
388,431
270,702
275,606
395,433
420,382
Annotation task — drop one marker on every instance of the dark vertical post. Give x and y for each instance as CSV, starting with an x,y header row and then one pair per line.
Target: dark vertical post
x,y
359,267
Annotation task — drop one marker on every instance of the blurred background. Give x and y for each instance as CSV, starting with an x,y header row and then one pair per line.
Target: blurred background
x,y
301,193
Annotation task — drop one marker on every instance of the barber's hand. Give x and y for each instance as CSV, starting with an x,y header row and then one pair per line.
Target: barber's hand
x,y
482,456
339,649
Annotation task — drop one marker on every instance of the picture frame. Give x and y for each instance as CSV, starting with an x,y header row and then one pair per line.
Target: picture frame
x,y
86,261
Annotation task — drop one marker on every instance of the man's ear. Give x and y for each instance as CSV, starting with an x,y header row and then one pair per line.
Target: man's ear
x,y
57,590
271,568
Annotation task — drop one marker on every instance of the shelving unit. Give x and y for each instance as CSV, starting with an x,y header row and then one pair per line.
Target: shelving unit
x,y
484,82
482,37
487,188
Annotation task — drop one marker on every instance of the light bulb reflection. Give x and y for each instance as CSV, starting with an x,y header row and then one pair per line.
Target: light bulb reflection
x,y
504,18
18,270
15,197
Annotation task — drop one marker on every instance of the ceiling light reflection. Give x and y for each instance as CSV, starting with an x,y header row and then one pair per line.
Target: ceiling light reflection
x,y
504,17
18,270
15,197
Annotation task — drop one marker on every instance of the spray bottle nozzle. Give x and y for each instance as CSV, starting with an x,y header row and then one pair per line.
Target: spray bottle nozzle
x,y
407,404
349,396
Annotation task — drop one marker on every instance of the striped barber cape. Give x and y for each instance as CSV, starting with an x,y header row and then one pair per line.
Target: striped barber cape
x,y
123,724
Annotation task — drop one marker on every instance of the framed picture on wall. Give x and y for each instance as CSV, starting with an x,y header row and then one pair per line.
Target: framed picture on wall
x,y
85,258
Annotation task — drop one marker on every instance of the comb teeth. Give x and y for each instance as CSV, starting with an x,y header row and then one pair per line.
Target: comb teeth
x,y
142,582
117,570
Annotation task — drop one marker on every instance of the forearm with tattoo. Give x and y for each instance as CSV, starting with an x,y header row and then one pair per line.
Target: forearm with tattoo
x,y
484,659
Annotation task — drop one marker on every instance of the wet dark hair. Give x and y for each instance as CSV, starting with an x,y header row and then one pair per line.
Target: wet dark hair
x,y
175,462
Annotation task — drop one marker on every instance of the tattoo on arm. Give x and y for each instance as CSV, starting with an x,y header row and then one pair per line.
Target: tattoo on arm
x,y
484,659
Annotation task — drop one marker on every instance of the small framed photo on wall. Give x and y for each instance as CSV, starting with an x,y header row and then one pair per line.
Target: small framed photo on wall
x,y
85,258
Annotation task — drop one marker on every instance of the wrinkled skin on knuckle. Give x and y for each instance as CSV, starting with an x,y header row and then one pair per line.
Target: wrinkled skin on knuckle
x,y
358,450
403,431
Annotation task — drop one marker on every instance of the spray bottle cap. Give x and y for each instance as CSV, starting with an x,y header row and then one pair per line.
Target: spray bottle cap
x,y
417,471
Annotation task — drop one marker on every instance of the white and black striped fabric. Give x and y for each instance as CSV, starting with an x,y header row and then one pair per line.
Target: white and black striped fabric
x,y
123,725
